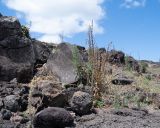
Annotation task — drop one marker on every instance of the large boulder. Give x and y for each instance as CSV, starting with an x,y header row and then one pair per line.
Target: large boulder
x,y
60,63
53,118
81,103
19,55
9,26
16,52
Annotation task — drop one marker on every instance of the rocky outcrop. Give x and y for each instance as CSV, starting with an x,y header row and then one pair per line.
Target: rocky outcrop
x,y
116,57
9,26
53,118
19,54
16,52
132,64
53,66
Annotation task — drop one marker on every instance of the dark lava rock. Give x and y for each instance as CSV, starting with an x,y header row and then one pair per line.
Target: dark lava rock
x,y
11,103
102,50
1,103
23,102
132,63
69,93
53,118
122,81
42,51
9,26
24,90
19,55
116,57
6,114
81,103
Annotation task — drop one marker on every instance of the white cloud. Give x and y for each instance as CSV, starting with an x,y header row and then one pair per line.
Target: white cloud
x,y
133,3
53,17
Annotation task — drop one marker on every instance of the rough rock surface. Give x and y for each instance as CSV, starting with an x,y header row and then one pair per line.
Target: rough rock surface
x,y
81,103
19,54
60,63
16,51
123,118
49,93
13,97
42,52
11,103
116,57
6,114
53,118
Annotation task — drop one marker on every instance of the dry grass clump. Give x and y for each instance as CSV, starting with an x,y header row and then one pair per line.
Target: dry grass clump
x,y
97,65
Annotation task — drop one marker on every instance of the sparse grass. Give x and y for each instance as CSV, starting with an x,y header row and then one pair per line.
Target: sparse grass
x,y
147,85
130,95
117,102
128,66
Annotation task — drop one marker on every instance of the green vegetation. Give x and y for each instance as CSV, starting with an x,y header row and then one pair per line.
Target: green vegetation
x,y
91,72
99,103
117,102
25,31
128,65
143,67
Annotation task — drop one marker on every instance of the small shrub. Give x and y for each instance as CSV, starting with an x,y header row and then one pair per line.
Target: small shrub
x,y
143,67
80,67
128,65
99,103
25,31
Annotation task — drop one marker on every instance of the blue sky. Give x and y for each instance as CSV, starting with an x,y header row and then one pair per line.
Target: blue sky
x,y
133,26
